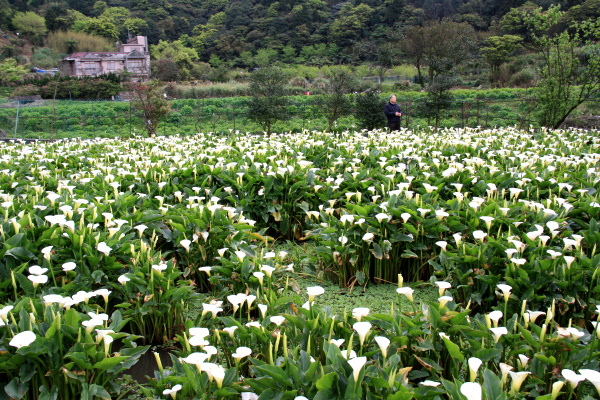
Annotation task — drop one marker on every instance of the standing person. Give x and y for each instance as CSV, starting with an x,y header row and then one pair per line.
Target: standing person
x,y
393,113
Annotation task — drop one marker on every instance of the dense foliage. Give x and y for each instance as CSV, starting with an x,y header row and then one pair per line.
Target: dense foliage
x,y
101,88
149,100
108,244
296,31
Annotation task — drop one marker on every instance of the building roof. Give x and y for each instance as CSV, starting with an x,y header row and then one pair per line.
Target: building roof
x,y
135,54
97,55
104,55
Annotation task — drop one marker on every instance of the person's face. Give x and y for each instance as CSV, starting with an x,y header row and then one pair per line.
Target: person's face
x,y
393,99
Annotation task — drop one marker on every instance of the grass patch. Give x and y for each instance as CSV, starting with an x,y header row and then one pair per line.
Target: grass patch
x,y
378,299
338,301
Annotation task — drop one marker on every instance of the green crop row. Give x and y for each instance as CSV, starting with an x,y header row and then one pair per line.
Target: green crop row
x,y
61,119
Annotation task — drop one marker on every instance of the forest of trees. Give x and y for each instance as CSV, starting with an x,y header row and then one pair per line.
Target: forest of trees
x,y
243,33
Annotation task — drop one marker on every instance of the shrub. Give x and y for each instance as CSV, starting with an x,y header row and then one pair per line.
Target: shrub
x,y
187,110
522,78
268,88
45,58
26,90
174,118
71,88
369,110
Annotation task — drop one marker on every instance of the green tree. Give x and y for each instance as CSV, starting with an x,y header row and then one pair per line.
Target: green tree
x,y
498,50
70,19
515,21
149,99
6,14
447,45
215,61
369,110
11,72
268,87
246,59
288,54
441,46
413,49
100,27
204,35
389,12
77,20
351,24
318,54
387,56
183,56
589,9
55,17
336,101
31,25
135,26
570,68
265,57
99,7
438,99
165,70
45,58
117,16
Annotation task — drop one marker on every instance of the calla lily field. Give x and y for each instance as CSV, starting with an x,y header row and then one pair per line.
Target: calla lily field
x,y
114,248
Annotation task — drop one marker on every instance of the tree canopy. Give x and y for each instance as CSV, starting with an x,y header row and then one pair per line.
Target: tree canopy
x,y
570,65
11,72
30,24
306,29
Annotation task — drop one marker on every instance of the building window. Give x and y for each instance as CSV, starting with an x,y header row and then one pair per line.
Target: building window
x,y
91,68
111,66
135,66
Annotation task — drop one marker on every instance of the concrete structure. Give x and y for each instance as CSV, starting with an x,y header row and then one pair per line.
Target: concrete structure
x,y
132,57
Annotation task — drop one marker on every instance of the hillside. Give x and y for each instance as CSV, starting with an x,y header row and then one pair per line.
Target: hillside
x,y
10,40
328,30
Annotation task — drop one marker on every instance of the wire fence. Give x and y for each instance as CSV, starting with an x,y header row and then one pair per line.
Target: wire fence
x,y
107,119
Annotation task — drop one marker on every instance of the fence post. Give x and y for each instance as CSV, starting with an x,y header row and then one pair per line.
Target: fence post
x,y
53,118
130,129
94,120
17,118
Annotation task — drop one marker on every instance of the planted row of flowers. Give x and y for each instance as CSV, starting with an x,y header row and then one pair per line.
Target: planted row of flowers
x,y
126,236
435,350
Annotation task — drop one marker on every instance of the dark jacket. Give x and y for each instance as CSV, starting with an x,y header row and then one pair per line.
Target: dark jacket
x,y
390,111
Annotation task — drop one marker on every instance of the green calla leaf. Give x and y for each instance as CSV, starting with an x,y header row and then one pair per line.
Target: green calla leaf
x,y
327,381
110,362
454,350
